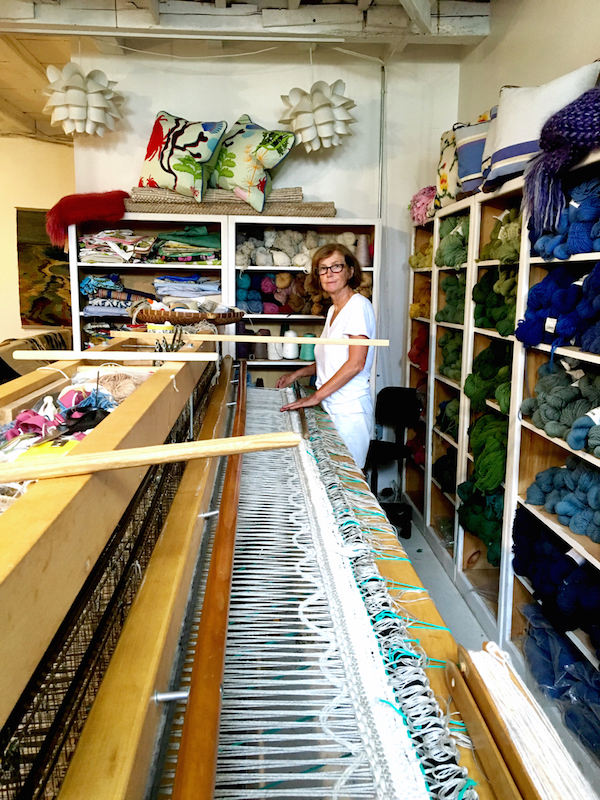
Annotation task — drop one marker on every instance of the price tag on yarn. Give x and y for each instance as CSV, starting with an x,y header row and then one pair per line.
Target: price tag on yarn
x,y
581,280
574,203
575,375
594,415
572,553
550,324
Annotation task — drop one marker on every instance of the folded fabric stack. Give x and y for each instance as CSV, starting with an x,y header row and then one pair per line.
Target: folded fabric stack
x,y
419,351
490,377
564,396
188,287
450,345
505,239
453,287
568,590
454,238
480,513
578,227
495,296
192,244
447,417
572,493
565,675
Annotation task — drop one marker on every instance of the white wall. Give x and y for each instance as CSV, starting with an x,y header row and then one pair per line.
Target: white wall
x,y
531,42
422,99
34,175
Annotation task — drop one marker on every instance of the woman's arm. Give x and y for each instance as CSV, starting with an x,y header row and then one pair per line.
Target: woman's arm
x,y
303,372
357,357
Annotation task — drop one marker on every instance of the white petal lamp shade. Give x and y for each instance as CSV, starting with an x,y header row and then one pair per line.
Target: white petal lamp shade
x,y
82,103
320,118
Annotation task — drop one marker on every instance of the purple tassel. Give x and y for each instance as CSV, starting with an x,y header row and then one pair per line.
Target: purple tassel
x,y
565,139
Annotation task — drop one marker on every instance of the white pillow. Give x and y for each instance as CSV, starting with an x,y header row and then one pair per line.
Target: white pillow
x,y
522,113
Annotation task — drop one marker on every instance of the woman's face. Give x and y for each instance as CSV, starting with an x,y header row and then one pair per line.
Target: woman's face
x,y
332,282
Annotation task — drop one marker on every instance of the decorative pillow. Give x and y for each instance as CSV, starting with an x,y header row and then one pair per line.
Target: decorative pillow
x,y
470,142
522,113
181,154
247,152
447,171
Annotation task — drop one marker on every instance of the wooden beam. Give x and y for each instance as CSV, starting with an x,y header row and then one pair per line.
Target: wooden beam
x,y
61,466
191,9
115,355
419,12
338,15
293,4
386,18
142,662
197,759
17,9
45,558
248,338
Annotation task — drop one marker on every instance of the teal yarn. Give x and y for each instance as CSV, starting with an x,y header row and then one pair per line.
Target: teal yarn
x,y
572,493
243,280
447,418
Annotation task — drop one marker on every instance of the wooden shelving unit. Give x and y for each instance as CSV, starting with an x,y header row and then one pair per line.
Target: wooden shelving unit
x,y
493,592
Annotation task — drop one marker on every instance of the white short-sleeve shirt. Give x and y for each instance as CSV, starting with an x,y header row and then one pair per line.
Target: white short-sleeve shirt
x,y
357,318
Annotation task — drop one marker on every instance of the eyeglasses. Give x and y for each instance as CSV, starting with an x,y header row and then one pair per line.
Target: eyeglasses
x,y
335,268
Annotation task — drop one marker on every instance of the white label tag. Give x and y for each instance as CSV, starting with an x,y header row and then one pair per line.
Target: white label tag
x,y
550,324
574,203
579,559
594,415
576,375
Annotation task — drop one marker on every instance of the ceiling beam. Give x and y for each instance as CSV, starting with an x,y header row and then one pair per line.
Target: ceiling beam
x,y
337,15
419,12
29,67
12,120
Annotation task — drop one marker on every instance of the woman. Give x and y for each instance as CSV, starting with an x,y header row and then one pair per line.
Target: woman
x,y
342,372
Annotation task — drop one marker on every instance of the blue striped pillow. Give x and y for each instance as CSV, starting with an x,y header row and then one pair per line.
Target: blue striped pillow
x,y
470,141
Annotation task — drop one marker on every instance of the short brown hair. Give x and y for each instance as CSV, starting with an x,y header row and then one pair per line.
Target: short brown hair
x,y
314,284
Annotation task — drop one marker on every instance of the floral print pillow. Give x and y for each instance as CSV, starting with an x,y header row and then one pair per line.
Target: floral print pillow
x,y
181,154
247,152
447,171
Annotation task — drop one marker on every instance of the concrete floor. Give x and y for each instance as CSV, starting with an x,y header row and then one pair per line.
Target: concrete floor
x,y
448,600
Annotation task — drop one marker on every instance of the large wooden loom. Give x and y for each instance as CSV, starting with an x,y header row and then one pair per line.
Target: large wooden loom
x,y
53,536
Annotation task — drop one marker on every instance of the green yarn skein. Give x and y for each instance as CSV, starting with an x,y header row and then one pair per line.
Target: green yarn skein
x,y
454,236
451,349
490,370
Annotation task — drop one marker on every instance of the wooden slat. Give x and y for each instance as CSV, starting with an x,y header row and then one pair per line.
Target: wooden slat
x,y
117,355
8,411
233,337
51,537
47,467
197,761
488,754
497,727
124,719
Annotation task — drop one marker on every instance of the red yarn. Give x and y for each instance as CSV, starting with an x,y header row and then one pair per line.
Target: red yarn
x,y
419,351
76,208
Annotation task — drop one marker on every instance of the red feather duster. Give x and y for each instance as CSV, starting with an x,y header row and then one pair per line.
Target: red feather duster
x,y
76,208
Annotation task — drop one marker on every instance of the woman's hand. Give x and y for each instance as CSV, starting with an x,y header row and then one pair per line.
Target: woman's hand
x,y
303,402
285,380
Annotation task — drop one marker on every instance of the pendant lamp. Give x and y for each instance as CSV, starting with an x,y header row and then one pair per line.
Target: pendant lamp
x,y
320,117
82,103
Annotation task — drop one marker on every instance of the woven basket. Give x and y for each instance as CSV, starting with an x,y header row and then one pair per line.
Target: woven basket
x,y
188,317
235,209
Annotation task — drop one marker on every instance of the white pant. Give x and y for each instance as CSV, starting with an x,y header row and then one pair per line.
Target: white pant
x,y
354,427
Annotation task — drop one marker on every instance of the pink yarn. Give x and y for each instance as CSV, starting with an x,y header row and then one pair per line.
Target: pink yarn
x,y
268,285
421,205
270,308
